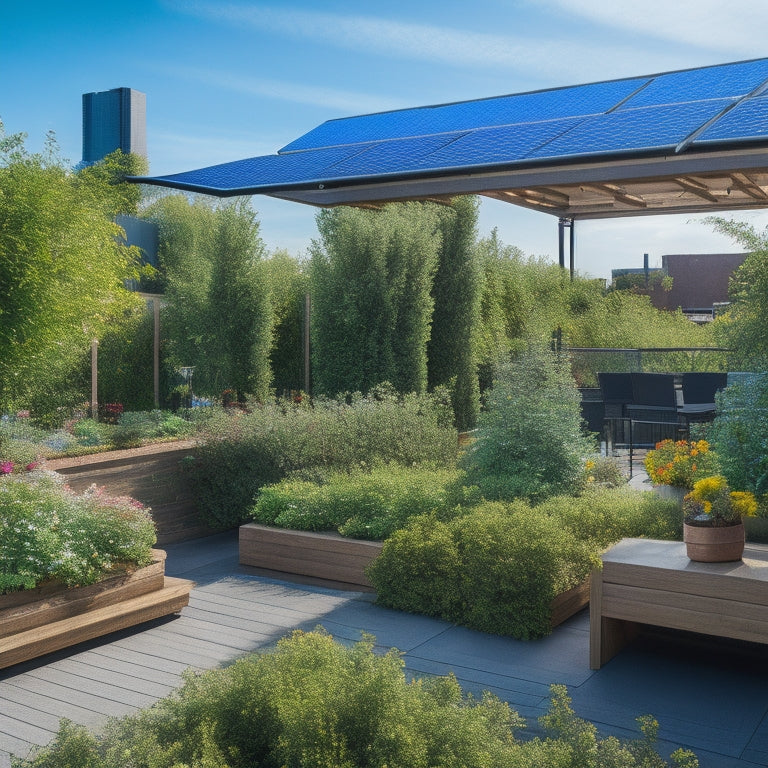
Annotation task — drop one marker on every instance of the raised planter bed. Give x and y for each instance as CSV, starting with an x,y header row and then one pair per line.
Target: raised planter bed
x,y
39,621
153,475
327,556
332,557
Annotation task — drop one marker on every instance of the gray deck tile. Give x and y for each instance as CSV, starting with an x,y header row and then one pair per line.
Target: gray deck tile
x,y
703,699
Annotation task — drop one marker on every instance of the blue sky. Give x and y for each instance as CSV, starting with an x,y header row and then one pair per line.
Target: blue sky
x,y
228,80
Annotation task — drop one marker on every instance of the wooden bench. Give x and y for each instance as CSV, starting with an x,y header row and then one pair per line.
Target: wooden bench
x,y
644,581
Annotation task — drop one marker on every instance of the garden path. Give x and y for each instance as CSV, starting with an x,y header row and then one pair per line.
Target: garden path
x,y
709,695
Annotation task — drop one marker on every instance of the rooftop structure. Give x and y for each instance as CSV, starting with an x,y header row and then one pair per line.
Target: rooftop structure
x,y
677,142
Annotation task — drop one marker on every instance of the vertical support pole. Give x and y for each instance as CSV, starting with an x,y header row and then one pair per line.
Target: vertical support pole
x,y
573,246
95,379
307,314
156,351
562,223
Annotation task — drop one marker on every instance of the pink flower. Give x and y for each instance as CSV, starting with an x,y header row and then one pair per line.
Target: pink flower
x,y
32,465
6,467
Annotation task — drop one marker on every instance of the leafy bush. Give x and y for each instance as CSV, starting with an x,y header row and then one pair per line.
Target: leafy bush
x,y
530,442
498,567
48,532
313,703
739,434
244,451
360,504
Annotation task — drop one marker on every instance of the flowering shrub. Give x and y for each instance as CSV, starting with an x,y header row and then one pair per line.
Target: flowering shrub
x,y
49,532
713,503
680,463
604,471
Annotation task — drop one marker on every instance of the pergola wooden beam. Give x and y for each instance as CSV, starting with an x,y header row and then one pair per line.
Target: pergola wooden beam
x,y
742,182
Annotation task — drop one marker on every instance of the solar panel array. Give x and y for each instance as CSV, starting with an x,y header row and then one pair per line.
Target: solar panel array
x,y
666,112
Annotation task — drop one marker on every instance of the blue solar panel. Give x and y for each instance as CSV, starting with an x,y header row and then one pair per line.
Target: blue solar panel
x,y
725,81
503,110
390,156
488,146
632,130
264,171
749,120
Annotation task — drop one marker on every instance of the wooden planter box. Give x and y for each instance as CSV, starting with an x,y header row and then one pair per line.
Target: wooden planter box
x,y
332,557
153,475
326,556
51,617
566,604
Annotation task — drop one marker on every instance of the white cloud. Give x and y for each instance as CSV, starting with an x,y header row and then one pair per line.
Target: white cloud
x,y
317,96
539,57
736,27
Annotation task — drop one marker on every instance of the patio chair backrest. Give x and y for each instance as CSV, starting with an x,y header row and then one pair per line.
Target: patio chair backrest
x,y
654,389
702,387
615,388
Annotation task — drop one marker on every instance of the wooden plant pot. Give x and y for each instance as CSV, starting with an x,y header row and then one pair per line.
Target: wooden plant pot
x,y
714,544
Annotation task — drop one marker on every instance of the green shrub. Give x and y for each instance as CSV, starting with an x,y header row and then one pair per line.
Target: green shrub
x,y
603,516
244,451
530,442
49,532
313,703
360,504
739,434
498,567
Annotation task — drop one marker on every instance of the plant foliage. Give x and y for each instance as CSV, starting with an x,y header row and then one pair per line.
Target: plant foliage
x,y
313,703
48,532
530,441
242,452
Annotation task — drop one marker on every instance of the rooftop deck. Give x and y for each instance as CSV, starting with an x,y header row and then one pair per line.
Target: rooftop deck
x,y
708,695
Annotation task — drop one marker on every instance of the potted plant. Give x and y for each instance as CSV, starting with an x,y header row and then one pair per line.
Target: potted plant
x,y
674,466
713,528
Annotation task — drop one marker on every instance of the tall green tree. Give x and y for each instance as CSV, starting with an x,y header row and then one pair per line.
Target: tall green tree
x,y
240,313
371,277
456,291
62,276
217,316
289,284
743,327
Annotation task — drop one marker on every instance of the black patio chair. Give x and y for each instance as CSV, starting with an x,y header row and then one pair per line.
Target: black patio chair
x,y
699,390
653,414
616,393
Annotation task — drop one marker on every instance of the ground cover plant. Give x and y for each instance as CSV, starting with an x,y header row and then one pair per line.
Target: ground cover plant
x,y
313,703
239,453
362,504
47,532
22,443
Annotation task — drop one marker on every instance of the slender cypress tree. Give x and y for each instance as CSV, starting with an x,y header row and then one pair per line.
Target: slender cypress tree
x,y
456,292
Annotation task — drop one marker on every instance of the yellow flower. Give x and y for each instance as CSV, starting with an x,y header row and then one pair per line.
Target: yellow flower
x,y
590,465
708,486
744,503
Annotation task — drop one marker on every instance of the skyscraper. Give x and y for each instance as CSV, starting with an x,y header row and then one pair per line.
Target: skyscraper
x,y
114,119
